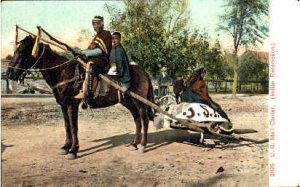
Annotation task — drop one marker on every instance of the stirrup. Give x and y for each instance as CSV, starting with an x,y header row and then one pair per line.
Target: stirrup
x,y
80,95
83,105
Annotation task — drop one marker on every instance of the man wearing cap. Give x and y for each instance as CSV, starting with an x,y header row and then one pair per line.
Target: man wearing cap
x,y
163,81
96,55
119,58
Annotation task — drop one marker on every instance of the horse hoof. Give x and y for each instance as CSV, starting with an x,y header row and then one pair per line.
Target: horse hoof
x,y
71,156
133,148
62,152
142,149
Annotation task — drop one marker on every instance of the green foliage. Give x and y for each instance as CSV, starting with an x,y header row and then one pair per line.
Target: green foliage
x,y
246,22
155,35
185,52
229,61
215,62
253,68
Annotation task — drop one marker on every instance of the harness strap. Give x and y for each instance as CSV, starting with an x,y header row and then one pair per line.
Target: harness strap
x,y
65,82
119,96
33,66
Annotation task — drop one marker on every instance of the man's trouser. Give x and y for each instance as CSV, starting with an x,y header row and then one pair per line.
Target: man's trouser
x,y
87,83
87,86
163,90
88,80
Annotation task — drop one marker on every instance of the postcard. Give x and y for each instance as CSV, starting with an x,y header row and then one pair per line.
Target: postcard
x,y
150,93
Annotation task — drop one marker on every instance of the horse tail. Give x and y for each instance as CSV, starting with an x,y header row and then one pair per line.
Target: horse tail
x,y
150,97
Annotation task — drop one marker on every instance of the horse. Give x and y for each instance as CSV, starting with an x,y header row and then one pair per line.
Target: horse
x,y
60,76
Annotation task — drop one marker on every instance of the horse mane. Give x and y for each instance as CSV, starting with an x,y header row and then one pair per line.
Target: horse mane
x,y
193,78
196,76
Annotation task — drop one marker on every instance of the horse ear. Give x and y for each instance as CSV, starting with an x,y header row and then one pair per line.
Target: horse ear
x,y
203,72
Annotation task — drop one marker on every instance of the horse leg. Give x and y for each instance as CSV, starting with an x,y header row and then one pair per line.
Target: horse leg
x,y
65,149
145,122
138,134
73,119
138,126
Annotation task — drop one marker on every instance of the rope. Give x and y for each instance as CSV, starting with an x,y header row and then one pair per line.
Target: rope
x,y
42,69
49,42
65,82
37,59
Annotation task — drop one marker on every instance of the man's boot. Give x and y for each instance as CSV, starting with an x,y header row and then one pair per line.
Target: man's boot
x,y
86,83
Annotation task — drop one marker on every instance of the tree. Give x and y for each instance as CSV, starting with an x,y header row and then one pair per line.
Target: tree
x,y
215,62
154,33
245,21
253,67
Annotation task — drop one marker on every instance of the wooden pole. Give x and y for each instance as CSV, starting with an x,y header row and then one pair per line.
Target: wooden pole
x,y
190,124
16,38
187,123
156,107
40,89
35,49
47,41
146,102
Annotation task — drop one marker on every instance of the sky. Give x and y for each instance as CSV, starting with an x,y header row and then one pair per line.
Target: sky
x,y
64,19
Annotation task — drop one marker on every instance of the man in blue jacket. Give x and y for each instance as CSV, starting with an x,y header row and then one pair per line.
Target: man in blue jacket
x,y
119,58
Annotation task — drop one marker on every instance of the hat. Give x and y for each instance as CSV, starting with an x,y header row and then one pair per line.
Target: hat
x,y
97,18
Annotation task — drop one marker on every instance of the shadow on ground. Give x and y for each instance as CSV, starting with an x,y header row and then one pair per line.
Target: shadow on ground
x,y
155,140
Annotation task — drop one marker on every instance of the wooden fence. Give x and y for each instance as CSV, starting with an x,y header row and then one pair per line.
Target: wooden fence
x,y
216,86
225,86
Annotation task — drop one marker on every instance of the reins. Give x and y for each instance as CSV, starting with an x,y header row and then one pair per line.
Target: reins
x,y
50,68
42,69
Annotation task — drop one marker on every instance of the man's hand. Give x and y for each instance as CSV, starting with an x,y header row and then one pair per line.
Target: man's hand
x,y
76,51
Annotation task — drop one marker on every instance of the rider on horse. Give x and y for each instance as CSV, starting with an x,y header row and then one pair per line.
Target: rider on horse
x,y
96,55
119,58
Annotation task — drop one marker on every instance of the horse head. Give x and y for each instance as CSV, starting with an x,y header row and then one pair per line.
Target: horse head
x,y
200,72
22,59
197,75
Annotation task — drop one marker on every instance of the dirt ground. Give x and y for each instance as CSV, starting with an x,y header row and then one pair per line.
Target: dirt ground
x,y
33,132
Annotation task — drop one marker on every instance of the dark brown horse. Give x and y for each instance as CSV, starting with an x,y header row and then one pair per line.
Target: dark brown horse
x,y
60,76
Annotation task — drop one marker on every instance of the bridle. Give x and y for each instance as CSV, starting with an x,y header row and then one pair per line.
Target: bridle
x,y
33,69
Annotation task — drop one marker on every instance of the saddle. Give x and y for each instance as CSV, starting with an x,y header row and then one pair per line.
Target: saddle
x,y
100,87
